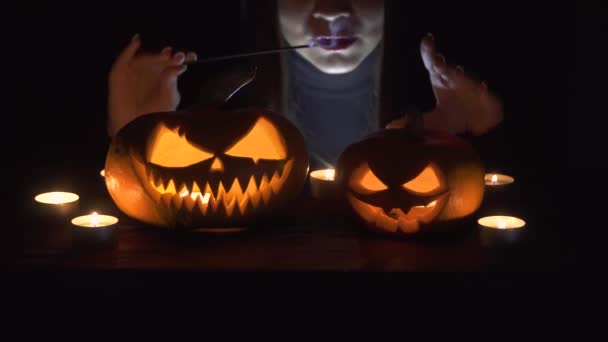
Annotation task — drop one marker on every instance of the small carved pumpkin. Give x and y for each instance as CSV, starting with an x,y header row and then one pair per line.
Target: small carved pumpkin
x,y
403,183
202,169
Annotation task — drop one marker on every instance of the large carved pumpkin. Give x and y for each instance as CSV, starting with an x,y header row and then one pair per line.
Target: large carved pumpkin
x,y
403,183
205,169
207,166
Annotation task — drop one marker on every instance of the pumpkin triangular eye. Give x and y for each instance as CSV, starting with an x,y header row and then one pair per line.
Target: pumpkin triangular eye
x,y
364,181
263,141
427,181
169,149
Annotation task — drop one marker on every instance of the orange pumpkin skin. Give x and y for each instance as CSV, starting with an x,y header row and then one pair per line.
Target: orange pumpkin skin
x,y
402,184
208,168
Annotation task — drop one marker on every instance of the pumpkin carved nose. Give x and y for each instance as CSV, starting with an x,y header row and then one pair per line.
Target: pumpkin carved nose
x,y
217,165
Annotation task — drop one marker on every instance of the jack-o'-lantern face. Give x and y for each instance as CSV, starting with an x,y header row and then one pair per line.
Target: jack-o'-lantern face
x,y
417,185
205,169
419,199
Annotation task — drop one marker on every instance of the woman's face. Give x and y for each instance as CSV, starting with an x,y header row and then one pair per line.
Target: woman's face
x,y
345,31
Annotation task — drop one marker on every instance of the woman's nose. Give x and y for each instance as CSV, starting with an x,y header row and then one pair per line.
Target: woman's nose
x,y
331,10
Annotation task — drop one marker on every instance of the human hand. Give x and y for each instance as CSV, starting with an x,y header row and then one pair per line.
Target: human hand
x,y
143,83
462,103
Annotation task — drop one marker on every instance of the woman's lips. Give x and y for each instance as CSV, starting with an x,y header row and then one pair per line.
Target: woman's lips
x,y
334,42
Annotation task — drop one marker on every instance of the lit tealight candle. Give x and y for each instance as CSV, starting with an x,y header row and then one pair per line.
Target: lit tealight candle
x,y
496,179
94,230
57,203
322,183
501,230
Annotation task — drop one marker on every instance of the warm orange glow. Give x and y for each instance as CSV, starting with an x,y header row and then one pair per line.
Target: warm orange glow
x,y
217,165
426,182
397,220
56,197
501,222
264,141
167,148
325,174
257,192
497,179
94,220
430,205
364,181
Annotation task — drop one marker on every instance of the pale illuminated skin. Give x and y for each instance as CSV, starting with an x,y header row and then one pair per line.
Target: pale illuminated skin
x,y
302,21
140,84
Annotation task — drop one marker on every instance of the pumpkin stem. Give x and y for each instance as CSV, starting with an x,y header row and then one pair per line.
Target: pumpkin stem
x,y
415,124
217,90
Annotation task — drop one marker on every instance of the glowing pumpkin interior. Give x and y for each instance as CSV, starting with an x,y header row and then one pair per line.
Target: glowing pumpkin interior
x,y
170,149
403,184
203,170
428,186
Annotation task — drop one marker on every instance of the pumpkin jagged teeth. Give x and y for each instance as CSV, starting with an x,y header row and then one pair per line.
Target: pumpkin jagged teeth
x,y
189,203
183,190
221,191
386,222
407,225
167,198
188,187
170,188
195,187
157,181
166,182
265,189
177,201
203,203
258,179
243,202
253,193
229,206
207,190
275,182
235,191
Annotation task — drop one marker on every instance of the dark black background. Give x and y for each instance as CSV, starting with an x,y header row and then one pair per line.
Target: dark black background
x,y
529,53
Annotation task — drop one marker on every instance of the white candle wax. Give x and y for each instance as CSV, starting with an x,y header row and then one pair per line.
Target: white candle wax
x,y
500,230
322,183
94,220
56,198
497,179
56,204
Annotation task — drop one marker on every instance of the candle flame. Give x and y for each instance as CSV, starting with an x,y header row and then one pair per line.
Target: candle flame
x,y
494,179
95,219
502,224
329,174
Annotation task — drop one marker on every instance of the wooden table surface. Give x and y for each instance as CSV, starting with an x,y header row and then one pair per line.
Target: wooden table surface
x,y
308,235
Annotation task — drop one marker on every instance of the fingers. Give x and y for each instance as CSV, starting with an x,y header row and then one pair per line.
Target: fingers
x,y
129,52
427,50
177,66
191,57
170,74
433,61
